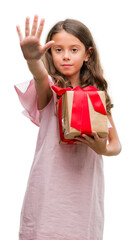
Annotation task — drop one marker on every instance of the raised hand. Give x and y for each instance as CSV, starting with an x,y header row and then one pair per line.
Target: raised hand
x,y
30,44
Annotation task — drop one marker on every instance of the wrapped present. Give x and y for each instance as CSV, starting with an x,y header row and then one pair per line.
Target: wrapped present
x,y
81,111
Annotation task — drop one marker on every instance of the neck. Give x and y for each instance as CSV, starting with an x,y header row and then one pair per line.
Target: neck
x,y
75,81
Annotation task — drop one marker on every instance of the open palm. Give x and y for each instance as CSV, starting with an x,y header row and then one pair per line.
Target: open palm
x,y
30,44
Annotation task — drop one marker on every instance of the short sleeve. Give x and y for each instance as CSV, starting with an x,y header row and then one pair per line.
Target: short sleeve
x,y
28,97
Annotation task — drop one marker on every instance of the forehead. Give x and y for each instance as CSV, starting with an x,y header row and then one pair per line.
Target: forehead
x,y
63,38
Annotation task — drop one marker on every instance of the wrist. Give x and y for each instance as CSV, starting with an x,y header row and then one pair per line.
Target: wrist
x,y
37,69
34,62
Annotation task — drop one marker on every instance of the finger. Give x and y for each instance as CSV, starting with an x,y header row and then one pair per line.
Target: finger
x,y
96,137
48,45
19,33
27,27
34,27
88,138
40,29
81,140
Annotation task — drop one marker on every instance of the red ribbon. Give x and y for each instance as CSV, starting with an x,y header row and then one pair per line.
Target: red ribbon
x,y
80,108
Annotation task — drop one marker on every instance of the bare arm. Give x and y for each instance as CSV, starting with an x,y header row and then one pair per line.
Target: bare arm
x,y
99,145
114,145
33,51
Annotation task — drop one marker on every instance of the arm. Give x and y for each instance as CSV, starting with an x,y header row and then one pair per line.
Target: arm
x,y
33,51
114,145
99,145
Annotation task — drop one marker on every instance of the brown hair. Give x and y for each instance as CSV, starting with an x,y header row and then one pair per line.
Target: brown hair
x,y
91,72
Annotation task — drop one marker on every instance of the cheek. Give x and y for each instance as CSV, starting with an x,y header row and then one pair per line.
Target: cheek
x,y
79,63
55,60
79,60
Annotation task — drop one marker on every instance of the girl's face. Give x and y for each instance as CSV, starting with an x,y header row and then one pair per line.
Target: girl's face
x,y
68,54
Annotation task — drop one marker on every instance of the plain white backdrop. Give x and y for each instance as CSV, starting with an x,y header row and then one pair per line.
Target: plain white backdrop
x,y
112,23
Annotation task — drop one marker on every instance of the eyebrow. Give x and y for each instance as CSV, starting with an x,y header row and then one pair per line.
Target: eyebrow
x,y
73,45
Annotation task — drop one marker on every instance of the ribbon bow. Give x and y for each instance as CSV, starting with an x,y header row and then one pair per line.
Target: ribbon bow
x,y
80,118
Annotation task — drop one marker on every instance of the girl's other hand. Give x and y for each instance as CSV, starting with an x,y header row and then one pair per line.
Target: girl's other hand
x,y
30,44
94,142
99,145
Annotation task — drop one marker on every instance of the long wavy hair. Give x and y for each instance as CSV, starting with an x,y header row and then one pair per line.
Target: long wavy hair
x,y
91,72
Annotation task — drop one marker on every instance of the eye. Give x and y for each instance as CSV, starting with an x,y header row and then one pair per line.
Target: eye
x,y
58,49
74,49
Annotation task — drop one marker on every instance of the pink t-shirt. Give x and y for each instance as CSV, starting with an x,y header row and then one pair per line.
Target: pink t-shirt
x,y
64,199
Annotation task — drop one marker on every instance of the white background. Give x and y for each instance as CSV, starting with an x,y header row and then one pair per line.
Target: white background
x,y
112,23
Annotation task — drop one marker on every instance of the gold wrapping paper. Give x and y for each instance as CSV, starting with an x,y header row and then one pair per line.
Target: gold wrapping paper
x,y
99,121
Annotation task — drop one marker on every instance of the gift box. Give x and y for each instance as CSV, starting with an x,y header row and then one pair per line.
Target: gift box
x,y
81,111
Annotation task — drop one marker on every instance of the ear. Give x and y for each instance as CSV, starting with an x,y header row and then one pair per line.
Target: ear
x,y
88,54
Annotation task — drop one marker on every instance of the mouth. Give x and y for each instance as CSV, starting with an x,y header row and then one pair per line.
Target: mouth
x,y
66,65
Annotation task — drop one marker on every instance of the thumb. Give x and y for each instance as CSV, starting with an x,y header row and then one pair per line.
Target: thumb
x,y
48,45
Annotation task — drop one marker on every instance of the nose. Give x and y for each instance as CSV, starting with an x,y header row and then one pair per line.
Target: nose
x,y
66,55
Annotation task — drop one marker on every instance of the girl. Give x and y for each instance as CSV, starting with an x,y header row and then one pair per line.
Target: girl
x,y
65,192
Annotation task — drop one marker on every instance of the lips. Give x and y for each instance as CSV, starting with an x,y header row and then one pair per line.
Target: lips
x,y
66,65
